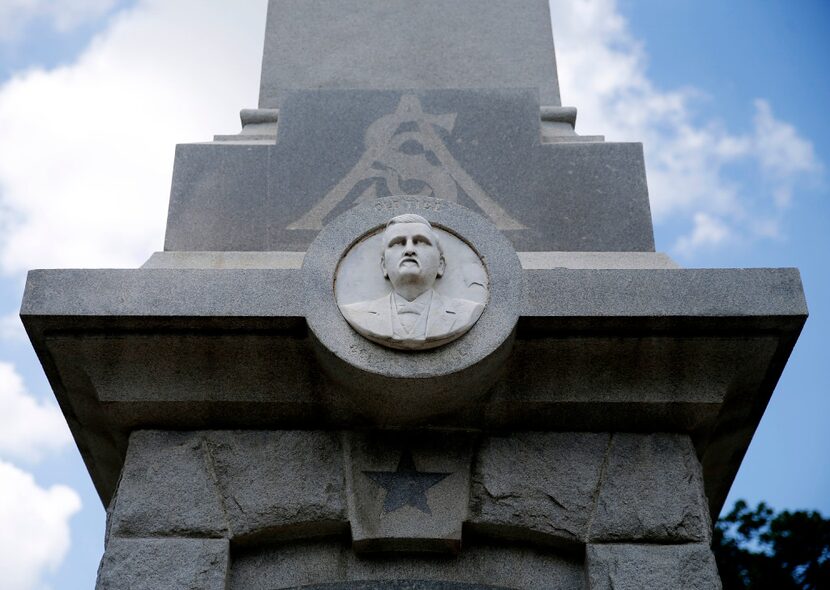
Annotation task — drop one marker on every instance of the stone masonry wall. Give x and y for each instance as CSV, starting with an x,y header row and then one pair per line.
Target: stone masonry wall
x,y
227,509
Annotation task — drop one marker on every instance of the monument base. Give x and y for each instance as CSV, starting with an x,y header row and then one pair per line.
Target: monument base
x,y
527,510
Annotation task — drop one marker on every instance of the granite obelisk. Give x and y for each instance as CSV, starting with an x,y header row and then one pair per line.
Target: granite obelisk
x,y
409,331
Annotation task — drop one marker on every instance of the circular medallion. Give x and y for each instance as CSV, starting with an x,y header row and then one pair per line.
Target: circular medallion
x,y
411,286
413,318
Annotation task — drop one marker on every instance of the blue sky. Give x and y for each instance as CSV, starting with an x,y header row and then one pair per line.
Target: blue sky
x,y
737,52
728,99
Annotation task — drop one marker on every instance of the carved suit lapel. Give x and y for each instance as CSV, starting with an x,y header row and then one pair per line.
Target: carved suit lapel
x,y
441,317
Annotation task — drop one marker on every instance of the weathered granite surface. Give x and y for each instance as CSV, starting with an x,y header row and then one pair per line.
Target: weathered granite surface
x,y
302,564
562,489
652,490
481,149
225,260
243,485
596,260
167,489
294,260
655,567
169,563
569,488
281,484
382,44
398,585
537,486
685,350
774,294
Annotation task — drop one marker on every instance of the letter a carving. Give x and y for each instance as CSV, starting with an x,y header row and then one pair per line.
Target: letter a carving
x,y
405,153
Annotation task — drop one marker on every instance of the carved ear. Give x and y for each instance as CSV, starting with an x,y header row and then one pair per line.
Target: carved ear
x,y
442,264
383,266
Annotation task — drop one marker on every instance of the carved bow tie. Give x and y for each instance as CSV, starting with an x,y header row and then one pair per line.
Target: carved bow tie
x,y
415,308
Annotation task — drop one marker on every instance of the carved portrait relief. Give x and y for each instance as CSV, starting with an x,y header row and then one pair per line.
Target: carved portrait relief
x,y
411,286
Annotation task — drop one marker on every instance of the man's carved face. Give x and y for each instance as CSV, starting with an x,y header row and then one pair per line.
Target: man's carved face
x,y
411,257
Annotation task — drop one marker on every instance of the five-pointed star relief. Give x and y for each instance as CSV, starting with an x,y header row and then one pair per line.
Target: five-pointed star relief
x,y
406,486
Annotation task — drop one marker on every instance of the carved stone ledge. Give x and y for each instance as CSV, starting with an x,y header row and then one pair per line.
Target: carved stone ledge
x,y
683,350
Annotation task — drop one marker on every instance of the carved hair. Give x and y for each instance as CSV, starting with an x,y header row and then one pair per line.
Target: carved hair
x,y
408,218
414,218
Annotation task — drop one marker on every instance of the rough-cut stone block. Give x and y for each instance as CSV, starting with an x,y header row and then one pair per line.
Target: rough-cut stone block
x,y
280,484
402,44
239,484
172,564
537,486
652,490
166,488
651,567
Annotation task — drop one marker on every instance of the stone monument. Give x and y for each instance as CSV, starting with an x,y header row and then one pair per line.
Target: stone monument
x,y
409,331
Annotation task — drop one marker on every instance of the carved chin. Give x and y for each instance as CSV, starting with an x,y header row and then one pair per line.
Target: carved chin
x,y
410,278
410,269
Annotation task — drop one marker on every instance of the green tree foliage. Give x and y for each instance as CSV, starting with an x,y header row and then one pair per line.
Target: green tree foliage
x,y
760,550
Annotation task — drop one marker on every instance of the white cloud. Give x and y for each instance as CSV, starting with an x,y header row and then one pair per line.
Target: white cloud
x,y
783,153
708,231
34,527
602,71
28,428
11,328
63,14
88,148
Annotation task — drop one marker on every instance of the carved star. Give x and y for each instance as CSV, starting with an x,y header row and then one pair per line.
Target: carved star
x,y
406,486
